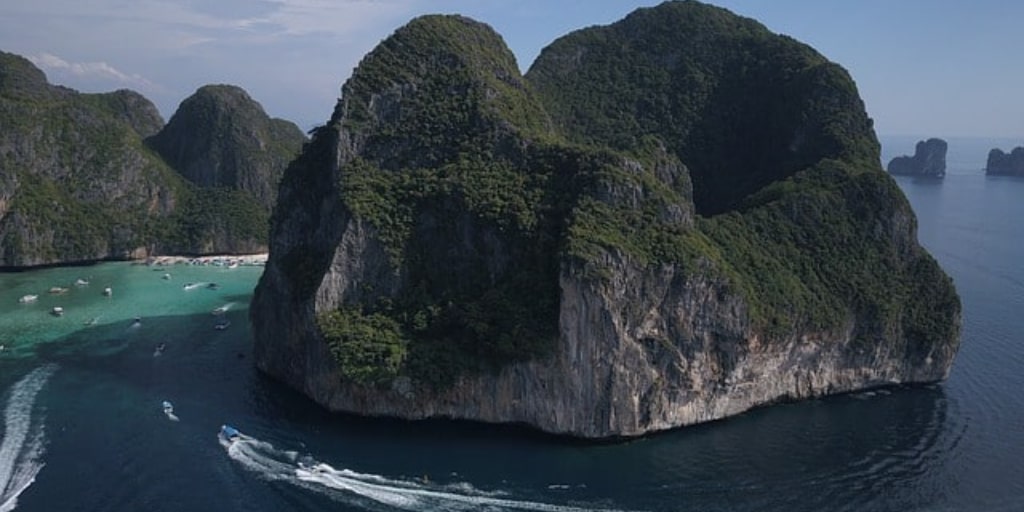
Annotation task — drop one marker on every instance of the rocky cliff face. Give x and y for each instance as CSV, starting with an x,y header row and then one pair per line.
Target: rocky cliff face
x,y
459,241
72,165
1001,163
929,160
78,184
220,137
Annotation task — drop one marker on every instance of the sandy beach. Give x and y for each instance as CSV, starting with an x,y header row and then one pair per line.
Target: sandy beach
x,y
226,260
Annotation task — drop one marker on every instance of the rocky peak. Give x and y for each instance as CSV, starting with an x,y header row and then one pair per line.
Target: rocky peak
x,y
929,160
740,106
136,110
20,78
220,137
437,86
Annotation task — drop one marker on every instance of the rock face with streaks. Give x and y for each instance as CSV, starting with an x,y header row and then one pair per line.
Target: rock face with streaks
x,y
668,220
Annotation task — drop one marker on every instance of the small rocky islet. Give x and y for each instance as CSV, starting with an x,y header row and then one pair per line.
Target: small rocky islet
x,y
928,161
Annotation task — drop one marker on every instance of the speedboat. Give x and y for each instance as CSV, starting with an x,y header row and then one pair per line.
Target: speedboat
x,y
159,349
168,408
58,290
25,299
220,326
221,310
108,291
137,322
229,433
81,282
57,311
167,276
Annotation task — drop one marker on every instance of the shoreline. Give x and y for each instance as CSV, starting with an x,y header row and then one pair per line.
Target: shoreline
x,y
258,259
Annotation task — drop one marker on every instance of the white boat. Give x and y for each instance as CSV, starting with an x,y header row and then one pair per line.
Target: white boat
x,y
169,411
191,286
57,290
220,326
233,264
221,310
25,299
108,292
57,311
81,282
229,433
167,276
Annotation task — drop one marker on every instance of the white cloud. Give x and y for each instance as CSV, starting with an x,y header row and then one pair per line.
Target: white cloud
x,y
302,17
90,70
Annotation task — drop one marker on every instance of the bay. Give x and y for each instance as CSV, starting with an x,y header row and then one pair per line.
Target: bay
x,y
83,428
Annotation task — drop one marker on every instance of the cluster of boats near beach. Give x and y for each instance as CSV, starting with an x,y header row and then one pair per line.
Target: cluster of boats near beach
x,y
221,324
61,290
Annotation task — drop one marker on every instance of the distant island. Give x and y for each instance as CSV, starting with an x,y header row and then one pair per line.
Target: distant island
x,y
1003,164
929,160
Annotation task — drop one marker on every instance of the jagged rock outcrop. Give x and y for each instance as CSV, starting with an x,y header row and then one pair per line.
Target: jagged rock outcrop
x,y
1001,163
78,184
220,137
459,241
929,160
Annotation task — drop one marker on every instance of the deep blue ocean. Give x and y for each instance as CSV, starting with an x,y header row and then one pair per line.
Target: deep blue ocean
x,y
83,428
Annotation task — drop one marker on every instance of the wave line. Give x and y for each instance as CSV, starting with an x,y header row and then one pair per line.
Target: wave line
x,y
372,491
21,455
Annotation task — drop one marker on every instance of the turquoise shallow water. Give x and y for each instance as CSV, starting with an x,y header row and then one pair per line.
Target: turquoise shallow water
x,y
83,428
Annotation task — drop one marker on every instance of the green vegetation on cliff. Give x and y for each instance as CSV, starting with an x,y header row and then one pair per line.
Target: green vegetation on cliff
x,y
485,188
79,183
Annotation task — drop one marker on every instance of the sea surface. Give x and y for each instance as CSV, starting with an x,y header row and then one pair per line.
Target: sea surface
x,y
83,428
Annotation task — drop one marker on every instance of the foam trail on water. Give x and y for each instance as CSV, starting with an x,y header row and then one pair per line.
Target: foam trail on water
x,y
21,451
374,491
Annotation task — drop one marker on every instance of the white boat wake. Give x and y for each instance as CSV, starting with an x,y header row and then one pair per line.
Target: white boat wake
x,y
374,492
21,450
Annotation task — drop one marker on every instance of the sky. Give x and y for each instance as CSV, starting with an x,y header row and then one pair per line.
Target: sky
x,y
934,68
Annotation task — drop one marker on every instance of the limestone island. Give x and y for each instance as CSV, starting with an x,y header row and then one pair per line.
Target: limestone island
x,y
89,177
667,220
1003,164
929,160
